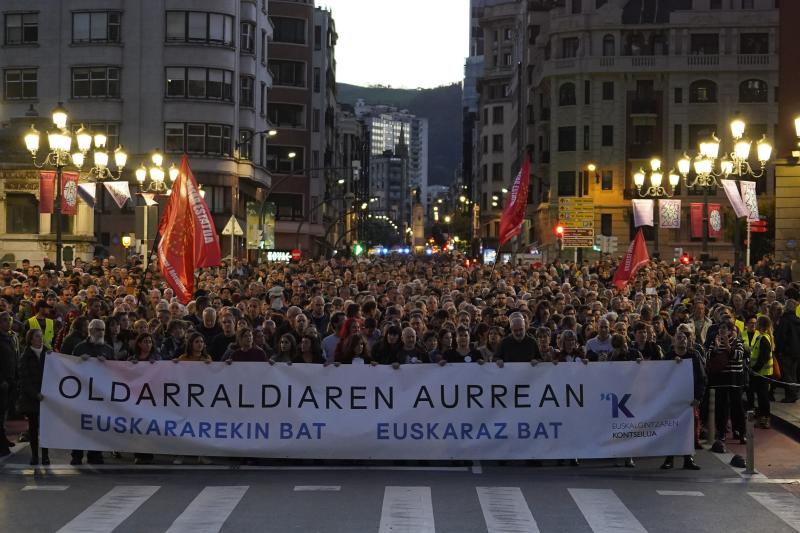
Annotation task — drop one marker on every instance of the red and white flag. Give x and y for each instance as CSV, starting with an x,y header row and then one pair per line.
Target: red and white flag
x,y
47,188
634,259
189,239
69,193
516,204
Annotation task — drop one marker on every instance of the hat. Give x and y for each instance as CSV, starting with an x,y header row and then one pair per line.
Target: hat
x,y
15,283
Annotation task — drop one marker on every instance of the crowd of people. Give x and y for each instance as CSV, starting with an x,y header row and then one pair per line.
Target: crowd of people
x,y
740,329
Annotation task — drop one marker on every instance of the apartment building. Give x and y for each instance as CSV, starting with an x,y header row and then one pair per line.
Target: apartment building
x,y
171,75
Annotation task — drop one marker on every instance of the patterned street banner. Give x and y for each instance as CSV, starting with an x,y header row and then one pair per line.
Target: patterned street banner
x,y
69,193
732,191
750,199
669,214
461,411
714,221
47,187
643,212
119,191
149,198
88,193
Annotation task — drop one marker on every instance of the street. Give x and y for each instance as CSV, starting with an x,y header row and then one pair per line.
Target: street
x,y
381,497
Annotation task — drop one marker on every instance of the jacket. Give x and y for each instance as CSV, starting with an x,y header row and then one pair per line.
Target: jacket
x,y
9,357
94,350
31,373
787,336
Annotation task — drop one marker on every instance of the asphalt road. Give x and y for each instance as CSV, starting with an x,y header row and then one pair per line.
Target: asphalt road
x,y
353,498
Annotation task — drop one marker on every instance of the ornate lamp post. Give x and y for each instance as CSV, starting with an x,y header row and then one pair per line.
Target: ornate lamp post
x,y
655,190
60,156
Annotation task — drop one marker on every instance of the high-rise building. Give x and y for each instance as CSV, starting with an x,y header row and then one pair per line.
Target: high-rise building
x,y
160,74
613,84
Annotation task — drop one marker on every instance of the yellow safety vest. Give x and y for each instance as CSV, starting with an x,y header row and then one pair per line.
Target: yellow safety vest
x,y
740,326
49,329
747,340
766,370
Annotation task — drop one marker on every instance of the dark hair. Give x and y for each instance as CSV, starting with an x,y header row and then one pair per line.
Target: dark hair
x,y
292,341
639,326
348,350
316,348
352,310
392,329
139,339
370,323
191,340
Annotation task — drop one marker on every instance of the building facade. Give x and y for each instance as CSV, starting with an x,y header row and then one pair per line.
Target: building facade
x,y
179,76
615,83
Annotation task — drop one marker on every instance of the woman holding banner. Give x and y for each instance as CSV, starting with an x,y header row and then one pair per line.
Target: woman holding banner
x,y
31,372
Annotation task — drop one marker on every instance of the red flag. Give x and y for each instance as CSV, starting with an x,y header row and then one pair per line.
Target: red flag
x,y
47,187
635,258
516,203
188,237
69,193
714,221
697,220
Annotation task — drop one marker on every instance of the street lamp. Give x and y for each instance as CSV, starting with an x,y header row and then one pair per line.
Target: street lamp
x,y
155,172
735,163
656,189
60,155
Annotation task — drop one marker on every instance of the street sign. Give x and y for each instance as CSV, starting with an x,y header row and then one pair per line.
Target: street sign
x,y
233,227
578,237
576,212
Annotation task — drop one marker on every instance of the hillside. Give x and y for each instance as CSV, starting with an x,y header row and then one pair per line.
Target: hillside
x,y
441,106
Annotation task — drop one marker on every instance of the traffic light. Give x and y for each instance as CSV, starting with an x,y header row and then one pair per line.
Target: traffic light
x,y
358,249
758,226
685,259
559,230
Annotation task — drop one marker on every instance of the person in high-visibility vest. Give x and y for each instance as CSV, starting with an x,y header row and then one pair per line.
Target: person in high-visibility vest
x,y
749,334
762,365
42,321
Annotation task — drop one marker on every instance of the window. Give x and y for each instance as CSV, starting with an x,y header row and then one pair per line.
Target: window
x,y
586,139
702,92
22,213
566,183
20,84
317,79
678,95
609,45
22,28
607,180
263,100
704,44
608,90
607,136
566,139
278,159
247,37
288,206
716,4
286,115
566,94
497,143
247,91
200,27
246,144
569,47
96,27
677,137
700,132
199,83
263,47
497,172
291,30
507,60
644,135
507,34
315,121
576,6
485,115
198,138
485,144
95,82
754,43
587,92
497,114
318,37
290,73
753,91
218,199
606,220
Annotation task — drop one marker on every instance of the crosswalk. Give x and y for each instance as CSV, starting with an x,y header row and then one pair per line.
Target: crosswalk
x,y
404,509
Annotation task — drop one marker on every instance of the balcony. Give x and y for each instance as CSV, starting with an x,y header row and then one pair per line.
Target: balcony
x,y
703,61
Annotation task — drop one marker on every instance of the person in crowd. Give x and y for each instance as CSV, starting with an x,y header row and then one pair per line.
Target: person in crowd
x,y
331,341
568,349
545,351
144,349
462,352
726,375
787,350
310,350
246,351
517,347
175,342
114,340
9,356
599,348
31,375
355,351
386,350
208,326
220,343
762,366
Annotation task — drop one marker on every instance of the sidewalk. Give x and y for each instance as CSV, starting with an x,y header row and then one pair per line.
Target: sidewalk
x,y
786,415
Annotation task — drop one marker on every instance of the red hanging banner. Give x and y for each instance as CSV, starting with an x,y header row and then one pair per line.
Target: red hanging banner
x,y
714,221
69,193
697,220
516,203
47,187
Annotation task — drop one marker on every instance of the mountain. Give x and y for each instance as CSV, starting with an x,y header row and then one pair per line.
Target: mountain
x,y
441,106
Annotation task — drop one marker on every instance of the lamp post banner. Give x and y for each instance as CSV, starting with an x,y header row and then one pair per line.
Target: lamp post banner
x,y
460,411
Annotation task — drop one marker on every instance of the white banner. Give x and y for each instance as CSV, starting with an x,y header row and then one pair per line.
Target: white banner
x,y
642,212
731,189
750,199
460,411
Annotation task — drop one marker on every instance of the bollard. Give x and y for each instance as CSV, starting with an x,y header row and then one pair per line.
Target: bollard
x,y
711,423
751,443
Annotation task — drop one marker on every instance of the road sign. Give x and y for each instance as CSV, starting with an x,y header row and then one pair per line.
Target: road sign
x,y
578,237
576,212
233,227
